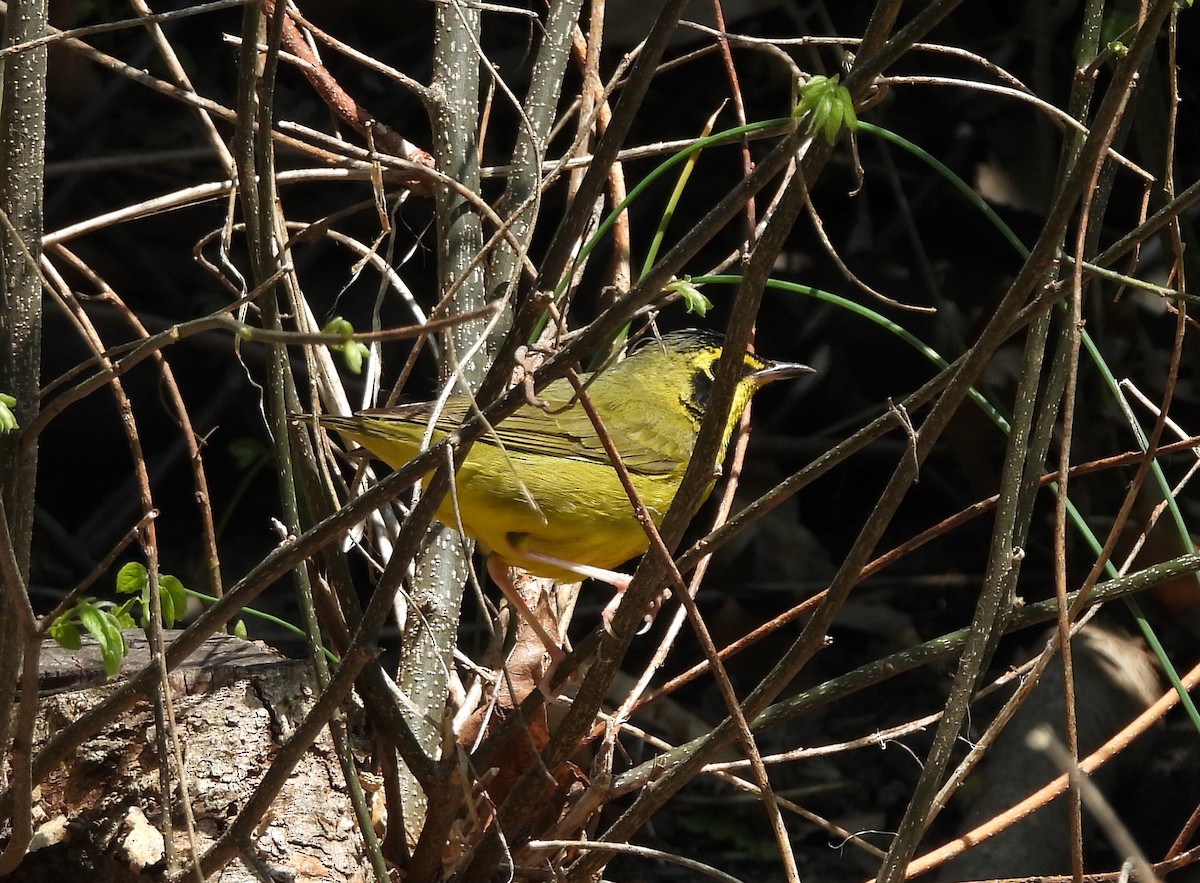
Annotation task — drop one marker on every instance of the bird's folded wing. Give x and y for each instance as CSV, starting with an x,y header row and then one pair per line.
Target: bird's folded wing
x,y
563,430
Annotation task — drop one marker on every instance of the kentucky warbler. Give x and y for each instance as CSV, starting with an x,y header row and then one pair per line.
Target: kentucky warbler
x,y
539,493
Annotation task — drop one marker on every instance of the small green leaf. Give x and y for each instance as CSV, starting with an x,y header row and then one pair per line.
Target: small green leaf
x,y
63,632
849,117
103,626
239,629
114,649
132,578
8,420
833,120
354,354
810,96
166,604
339,326
693,300
827,106
123,617
89,618
173,598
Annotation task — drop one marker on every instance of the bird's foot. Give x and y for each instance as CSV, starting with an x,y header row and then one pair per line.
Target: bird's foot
x,y
610,609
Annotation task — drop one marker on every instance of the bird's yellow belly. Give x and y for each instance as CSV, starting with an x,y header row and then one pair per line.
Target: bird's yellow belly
x,y
570,522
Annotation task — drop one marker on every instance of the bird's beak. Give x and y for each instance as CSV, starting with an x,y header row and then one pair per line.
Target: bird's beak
x,y
780,371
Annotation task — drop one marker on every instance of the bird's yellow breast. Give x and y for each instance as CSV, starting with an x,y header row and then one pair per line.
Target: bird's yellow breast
x,y
511,502
584,516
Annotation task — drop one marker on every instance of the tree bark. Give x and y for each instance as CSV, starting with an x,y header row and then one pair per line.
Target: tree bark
x,y
236,702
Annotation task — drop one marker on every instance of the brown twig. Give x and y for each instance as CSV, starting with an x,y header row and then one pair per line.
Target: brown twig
x,y
343,106
21,782
739,112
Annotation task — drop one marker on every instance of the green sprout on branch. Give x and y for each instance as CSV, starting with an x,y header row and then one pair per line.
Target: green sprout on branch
x,y
693,300
827,105
353,352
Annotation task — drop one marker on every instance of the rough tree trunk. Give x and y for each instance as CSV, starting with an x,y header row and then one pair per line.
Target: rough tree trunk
x,y
235,702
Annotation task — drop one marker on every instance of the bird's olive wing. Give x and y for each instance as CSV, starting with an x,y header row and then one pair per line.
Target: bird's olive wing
x,y
648,440
416,414
564,429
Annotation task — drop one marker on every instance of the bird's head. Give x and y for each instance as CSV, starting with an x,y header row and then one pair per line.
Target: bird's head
x,y
687,362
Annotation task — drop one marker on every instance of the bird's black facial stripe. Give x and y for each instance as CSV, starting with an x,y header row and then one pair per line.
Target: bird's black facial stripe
x,y
702,387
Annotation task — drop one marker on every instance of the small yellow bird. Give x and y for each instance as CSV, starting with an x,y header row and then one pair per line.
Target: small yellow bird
x,y
539,491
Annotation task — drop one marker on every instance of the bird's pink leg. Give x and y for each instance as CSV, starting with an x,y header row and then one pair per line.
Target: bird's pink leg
x,y
619,581
499,573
